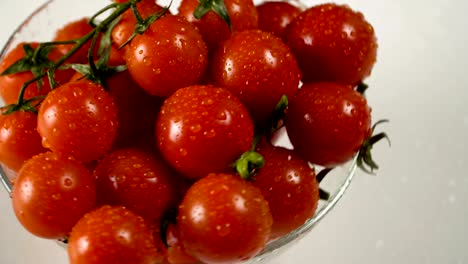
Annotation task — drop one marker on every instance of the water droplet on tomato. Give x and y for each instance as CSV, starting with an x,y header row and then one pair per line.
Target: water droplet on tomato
x,y
195,128
207,101
210,134
183,152
221,116
146,61
67,182
77,92
223,230
72,126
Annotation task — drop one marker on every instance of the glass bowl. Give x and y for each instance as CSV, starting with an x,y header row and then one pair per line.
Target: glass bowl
x,y
41,26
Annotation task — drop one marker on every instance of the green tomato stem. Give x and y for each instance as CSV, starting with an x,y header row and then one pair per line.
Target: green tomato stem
x,y
120,9
248,164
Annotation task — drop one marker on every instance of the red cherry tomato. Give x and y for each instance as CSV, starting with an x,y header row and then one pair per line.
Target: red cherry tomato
x,y
271,73
175,252
203,129
137,180
126,26
77,29
137,112
19,140
71,31
332,43
170,55
78,119
10,85
289,185
274,17
327,123
242,13
224,219
112,235
51,193
136,109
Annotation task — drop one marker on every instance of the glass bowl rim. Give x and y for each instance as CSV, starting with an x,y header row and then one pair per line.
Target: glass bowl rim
x,y
272,246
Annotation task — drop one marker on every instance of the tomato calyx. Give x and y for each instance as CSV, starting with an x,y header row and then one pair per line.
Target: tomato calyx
x,y
248,164
36,61
251,161
364,160
362,88
99,74
29,105
217,6
276,120
143,24
98,71
323,195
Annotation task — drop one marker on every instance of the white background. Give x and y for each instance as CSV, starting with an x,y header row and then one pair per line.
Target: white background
x,y
416,209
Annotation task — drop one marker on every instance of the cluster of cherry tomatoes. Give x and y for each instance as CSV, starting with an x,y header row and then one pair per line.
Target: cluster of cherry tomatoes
x,y
136,156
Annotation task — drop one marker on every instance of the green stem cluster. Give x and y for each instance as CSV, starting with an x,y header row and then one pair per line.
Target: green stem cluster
x,y
251,161
120,8
217,6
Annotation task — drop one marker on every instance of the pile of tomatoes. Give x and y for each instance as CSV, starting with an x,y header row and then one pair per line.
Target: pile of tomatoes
x,y
158,149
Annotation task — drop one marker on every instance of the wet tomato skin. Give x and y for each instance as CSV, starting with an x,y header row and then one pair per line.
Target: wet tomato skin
x,y
78,29
78,119
170,55
274,17
224,219
137,180
136,110
333,44
19,140
272,72
176,253
126,26
327,123
203,129
242,13
112,235
290,187
51,193
74,30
